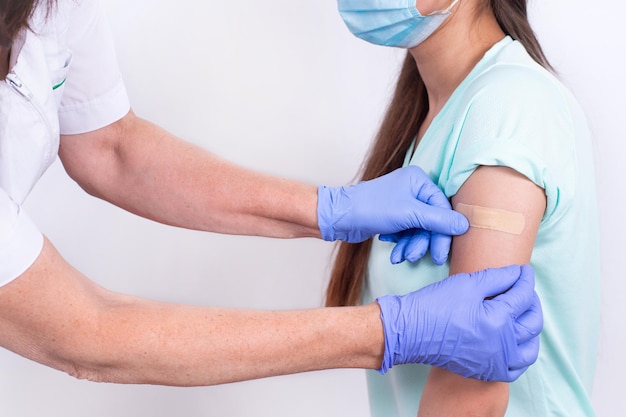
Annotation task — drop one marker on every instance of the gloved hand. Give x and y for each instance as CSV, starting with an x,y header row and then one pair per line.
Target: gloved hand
x,y
412,244
401,200
451,324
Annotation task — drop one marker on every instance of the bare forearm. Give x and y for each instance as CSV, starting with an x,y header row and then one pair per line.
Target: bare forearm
x,y
190,346
153,174
54,315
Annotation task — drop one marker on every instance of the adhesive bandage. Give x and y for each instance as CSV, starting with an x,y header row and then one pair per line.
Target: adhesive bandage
x,y
492,219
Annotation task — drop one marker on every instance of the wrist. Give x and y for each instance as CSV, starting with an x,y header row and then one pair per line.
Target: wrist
x,y
361,335
389,306
352,337
326,201
291,205
376,339
336,217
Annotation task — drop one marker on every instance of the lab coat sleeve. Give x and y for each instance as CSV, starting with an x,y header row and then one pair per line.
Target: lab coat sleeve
x,y
94,94
20,240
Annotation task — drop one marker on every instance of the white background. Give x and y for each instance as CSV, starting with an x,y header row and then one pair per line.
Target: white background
x,y
282,87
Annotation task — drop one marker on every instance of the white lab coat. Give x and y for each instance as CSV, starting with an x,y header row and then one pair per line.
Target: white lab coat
x,y
63,79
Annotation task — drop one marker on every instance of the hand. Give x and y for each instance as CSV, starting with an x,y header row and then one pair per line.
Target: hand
x,y
411,245
401,200
455,325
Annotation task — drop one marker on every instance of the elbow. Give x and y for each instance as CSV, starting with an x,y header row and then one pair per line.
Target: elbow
x,y
85,350
88,177
97,365
83,358
93,159
79,359
87,373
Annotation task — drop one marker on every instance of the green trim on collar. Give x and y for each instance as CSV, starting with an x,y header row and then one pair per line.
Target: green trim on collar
x,y
54,87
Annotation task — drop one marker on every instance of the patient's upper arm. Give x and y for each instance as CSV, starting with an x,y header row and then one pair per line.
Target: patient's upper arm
x,y
505,189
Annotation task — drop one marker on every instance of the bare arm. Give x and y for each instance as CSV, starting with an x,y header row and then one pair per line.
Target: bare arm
x,y
447,394
144,169
54,315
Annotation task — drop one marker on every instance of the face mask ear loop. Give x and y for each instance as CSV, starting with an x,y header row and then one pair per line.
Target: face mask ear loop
x,y
446,10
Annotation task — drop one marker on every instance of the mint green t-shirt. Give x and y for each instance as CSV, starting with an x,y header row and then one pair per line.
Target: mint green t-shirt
x,y
511,112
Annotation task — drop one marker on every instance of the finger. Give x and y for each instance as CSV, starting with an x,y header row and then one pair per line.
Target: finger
x,y
397,254
429,195
521,295
432,195
438,220
514,374
390,237
494,281
417,245
530,323
527,354
439,247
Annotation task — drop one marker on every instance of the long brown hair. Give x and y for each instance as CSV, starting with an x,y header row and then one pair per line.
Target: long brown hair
x,y
14,16
406,112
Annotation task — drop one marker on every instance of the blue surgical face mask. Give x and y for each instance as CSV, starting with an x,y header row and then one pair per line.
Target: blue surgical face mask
x,y
390,22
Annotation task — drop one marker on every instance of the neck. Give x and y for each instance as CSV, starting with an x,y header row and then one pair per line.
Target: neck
x,y
448,56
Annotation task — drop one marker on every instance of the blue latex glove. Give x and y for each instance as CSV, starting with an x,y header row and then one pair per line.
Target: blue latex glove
x,y
411,245
451,324
402,200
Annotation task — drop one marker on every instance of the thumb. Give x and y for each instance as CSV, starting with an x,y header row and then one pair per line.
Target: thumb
x,y
521,295
438,220
495,281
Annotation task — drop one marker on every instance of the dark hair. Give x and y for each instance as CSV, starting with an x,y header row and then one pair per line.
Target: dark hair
x,y
405,114
14,16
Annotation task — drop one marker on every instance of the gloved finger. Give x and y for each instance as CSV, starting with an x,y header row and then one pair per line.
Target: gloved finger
x,y
514,374
494,281
390,237
530,323
437,219
527,354
521,296
397,253
432,195
439,247
417,245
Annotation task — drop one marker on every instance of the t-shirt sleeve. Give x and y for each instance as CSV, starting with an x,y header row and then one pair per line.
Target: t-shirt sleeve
x,y
519,118
20,240
94,94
